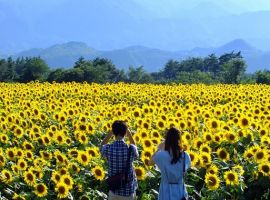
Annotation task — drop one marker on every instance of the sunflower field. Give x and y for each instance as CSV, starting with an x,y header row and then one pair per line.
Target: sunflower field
x,y
50,136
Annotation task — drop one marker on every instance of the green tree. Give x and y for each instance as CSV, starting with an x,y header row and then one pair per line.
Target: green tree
x,y
75,74
34,69
211,64
194,77
138,75
263,77
229,56
170,70
9,74
232,71
56,75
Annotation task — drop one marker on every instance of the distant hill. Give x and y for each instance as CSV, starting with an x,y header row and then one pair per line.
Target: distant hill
x,y
64,55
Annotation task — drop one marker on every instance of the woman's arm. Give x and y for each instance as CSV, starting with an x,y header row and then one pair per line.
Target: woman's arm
x,y
161,146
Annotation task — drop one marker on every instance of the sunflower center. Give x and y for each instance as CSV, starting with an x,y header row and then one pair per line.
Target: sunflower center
x,y
98,172
212,181
40,188
231,177
84,158
61,190
244,122
138,172
30,177
265,168
223,154
67,181
7,175
259,155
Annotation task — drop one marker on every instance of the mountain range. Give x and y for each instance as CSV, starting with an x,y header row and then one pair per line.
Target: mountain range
x,y
64,55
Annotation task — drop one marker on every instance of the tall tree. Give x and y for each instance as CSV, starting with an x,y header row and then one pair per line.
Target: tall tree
x,y
232,70
263,77
138,75
211,64
170,70
34,69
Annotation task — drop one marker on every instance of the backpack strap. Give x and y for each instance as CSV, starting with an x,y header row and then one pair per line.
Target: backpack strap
x,y
127,163
184,160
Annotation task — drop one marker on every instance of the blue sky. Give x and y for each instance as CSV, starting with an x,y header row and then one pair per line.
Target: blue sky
x,y
40,23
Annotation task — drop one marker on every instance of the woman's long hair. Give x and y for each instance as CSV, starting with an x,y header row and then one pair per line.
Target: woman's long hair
x,y
172,140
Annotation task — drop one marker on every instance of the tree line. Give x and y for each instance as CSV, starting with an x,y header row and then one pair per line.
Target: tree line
x,y
229,68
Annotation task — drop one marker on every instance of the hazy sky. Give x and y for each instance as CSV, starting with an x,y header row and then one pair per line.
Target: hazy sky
x,y
231,5
39,23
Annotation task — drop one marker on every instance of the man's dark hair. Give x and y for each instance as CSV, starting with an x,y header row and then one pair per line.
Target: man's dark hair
x,y
119,127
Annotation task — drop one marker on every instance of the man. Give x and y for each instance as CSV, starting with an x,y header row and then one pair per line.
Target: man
x,y
116,154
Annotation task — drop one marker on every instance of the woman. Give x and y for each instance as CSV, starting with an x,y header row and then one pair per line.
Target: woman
x,y
173,163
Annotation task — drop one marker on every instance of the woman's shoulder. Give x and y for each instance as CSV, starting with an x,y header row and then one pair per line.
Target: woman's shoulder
x,y
162,153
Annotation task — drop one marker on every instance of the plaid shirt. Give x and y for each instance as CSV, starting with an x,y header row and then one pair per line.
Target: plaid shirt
x,y
117,155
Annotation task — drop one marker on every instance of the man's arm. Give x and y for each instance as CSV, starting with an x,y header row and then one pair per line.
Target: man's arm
x,y
106,139
129,135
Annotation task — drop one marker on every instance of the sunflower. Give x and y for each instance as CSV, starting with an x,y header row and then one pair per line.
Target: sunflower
x,y
212,181
41,190
18,197
213,124
98,172
46,155
74,167
231,137
46,139
142,134
56,176
67,179
244,122
205,148
205,158
22,164
18,132
264,168
27,146
62,190
2,160
160,124
59,137
60,158
197,142
213,169
248,154
4,138
260,155
147,143
231,178
83,158
223,154
208,137
11,153
265,141
193,157
82,138
20,153
140,173
29,155
6,176
182,125
239,169
29,178
73,153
